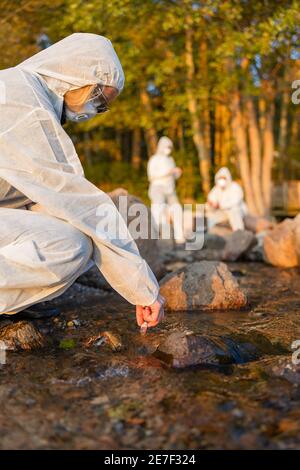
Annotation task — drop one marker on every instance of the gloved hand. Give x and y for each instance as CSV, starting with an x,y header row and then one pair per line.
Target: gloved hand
x,y
177,172
213,204
153,314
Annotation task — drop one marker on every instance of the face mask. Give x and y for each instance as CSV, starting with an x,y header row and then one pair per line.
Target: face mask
x,y
167,151
222,183
88,111
96,104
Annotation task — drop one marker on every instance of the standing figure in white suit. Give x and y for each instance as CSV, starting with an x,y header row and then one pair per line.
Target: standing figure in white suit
x,y
162,175
225,202
49,212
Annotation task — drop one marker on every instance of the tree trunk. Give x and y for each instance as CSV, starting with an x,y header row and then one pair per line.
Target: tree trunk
x,y
223,137
239,133
262,115
150,131
218,135
87,150
227,136
255,154
136,158
205,104
118,152
180,137
204,160
268,156
283,133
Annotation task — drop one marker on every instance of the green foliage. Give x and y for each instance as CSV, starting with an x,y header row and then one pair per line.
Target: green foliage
x,y
149,37
108,176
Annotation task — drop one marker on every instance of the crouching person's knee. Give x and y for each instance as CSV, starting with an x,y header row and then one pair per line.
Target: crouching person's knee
x,y
73,255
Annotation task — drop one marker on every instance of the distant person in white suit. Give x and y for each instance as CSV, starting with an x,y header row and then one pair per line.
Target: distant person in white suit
x,y
225,202
162,175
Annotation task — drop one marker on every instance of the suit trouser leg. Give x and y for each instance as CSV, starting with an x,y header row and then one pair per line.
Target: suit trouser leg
x,y
176,212
236,219
40,257
214,217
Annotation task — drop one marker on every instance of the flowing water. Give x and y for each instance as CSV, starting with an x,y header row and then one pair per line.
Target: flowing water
x,y
70,396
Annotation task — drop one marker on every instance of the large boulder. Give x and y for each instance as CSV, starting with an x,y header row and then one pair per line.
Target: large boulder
x,y
281,245
257,224
213,241
237,244
256,252
204,285
182,349
148,247
230,247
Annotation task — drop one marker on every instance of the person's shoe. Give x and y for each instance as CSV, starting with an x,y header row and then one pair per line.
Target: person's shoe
x,y
34,312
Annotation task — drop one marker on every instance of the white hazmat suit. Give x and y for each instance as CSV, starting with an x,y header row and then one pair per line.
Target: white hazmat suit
x,y
44,249
162,190
226,202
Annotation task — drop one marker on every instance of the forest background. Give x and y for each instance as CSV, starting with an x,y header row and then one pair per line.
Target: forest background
x,y
216,77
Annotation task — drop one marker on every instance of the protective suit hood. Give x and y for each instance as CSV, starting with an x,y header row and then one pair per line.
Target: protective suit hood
x,y
224,173
39,166
76,61
163,143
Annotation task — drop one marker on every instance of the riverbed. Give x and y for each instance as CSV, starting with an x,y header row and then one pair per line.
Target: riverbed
x,y
70,396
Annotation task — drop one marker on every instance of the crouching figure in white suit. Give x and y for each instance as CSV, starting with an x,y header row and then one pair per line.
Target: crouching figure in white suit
x,y
49,212
225,202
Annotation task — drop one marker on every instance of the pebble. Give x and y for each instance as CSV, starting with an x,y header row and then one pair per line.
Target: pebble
x,y
112,339
74,323
101,400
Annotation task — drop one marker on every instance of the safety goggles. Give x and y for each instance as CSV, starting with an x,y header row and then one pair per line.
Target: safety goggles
x,y
99,100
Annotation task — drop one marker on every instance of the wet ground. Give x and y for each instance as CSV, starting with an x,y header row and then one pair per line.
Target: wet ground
x,y
70,396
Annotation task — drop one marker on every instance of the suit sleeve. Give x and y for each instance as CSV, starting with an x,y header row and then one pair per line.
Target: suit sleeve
x,y
38,158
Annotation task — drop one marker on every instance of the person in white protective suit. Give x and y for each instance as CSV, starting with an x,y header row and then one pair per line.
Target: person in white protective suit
x,y
52,219
225,202
162,175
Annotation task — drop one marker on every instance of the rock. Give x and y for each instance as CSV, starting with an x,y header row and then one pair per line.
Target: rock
x,y
107,337
257,224
256,253
297,237
238,243
180,255
208,254
100,400
281,244
289,426
213,242
229,247
149,248
21,335
286,369
204,285
182,349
